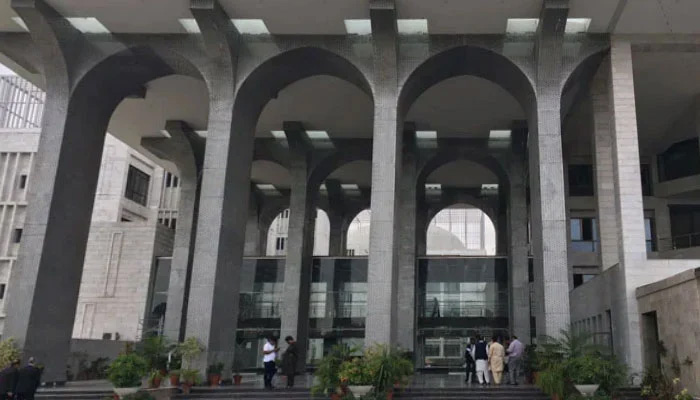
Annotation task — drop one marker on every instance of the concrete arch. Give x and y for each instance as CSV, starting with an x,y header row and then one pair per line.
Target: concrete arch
x,y
281,70
324,167
578,78
468,60
466,200
448,155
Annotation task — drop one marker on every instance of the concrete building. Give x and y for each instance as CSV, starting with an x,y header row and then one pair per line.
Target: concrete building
x,y
571,124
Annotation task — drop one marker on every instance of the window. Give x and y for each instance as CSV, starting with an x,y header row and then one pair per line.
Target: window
x,y
649,234
17,236
279,243
2,290
285,214
168,179
22,181
530,270
580,279
581,180
685,226
680,160
175,181
173,223
645,172
350,252
584,235
137,185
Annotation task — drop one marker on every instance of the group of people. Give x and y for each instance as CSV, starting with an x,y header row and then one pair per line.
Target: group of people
x,y
290,360
486,359
19,383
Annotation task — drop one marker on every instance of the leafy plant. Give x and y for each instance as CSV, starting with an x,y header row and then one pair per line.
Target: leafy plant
x,y
155,350
215,369
657,384
552,380
8,352
154,375
127,370
190,376
356,372
189,350
328,369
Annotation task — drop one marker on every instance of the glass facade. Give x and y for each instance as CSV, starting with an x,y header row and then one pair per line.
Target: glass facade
x,y
338,304
458,298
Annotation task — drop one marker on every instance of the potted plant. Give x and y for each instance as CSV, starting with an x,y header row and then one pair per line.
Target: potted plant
x,y
214,373
390,368
328,369
552,381
174,377
237,378
125,373
188,378
155,378
174,366
155,349
358,375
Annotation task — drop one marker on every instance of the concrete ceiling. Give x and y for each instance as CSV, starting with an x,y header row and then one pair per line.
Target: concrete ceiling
x,y
462,174
268,172
326,16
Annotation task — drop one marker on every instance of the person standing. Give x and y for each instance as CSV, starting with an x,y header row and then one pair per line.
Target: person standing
x,y
496,356
8,380
270,350
481,356
290,358
28,381
516,350
470,363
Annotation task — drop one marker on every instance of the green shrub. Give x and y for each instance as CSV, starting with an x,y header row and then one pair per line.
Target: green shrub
x,y
127,370
8,352
327,372
154,349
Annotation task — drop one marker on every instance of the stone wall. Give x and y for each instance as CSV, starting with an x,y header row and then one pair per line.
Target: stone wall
x,y
676,302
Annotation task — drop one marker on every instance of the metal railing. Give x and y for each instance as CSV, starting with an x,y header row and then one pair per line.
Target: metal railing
x,y
584,246
21,103
462,309
255,305
339,305
680,242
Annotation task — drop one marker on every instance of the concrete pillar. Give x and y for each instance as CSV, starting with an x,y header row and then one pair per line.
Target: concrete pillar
x,y
300,243
45,283
406,305
336,216
548,211
185,148
212,311
517,235
631,237
253,243
380,326
605,184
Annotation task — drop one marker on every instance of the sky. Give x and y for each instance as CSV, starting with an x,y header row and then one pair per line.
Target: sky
x,y
6,71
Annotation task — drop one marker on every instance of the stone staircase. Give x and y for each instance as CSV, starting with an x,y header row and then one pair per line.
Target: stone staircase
x,y
242,393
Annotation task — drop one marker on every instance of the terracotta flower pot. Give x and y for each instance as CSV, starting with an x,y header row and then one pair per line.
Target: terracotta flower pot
x,y
155,383
335,396
214,379
237,379
174,380
186,387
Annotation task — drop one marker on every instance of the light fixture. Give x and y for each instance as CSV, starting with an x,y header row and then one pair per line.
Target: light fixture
x,y
522,25
19,21
317,135
412,26
279,135
358,26
201,133
165,133
266,187
190,25
577,25
349,186
250,26
489,189
433,187
426,135
88,25
323,188
500,134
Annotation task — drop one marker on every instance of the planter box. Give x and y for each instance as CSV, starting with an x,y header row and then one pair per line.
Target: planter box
x,y
358,391
587,390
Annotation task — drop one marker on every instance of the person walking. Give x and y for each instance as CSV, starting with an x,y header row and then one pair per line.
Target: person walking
x,y
270,350
516,350
8,380
496,356
481,356
290,358
28,381
470,363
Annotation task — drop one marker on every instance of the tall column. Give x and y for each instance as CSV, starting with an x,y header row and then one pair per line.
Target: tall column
x,y
45,283
336,217
547,177
380,326
517,232
212,311
185,148
605,183
406,305
253,243
300,243
630,208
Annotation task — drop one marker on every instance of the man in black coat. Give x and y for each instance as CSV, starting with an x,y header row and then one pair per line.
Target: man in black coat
x,y
8,380
28,380
290,360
